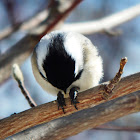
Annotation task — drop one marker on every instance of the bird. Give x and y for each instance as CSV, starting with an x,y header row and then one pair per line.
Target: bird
x,y
66,63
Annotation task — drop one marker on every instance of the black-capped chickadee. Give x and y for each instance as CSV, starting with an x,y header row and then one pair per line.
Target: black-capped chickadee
x,y
64,63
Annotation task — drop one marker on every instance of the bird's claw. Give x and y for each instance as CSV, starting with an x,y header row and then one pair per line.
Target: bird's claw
x,y
73,96
61,101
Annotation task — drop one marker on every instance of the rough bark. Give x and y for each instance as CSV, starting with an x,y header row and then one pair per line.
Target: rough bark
x,y
88,99
86,119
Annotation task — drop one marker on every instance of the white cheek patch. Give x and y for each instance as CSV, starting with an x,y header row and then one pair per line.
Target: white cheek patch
x,y
40,67
41,52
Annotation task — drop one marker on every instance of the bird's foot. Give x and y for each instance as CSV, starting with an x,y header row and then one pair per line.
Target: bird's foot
x,y
73,96
61,101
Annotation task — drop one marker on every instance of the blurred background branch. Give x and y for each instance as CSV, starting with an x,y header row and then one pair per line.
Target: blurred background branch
x,y
104,24
17,24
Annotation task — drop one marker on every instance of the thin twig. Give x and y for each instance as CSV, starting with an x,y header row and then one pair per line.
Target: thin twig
x,y
18,76
108,93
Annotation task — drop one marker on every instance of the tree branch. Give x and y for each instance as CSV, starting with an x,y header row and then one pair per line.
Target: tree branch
x,y
108,93
104,24
82,120
88,99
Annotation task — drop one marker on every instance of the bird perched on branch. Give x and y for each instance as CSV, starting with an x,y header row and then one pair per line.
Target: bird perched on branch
x,y
65,63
